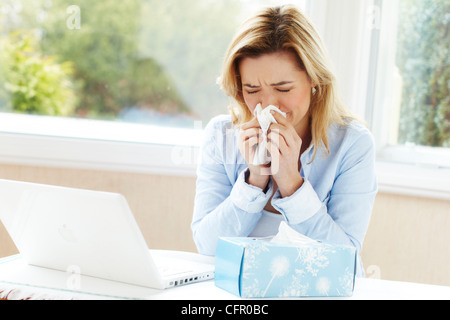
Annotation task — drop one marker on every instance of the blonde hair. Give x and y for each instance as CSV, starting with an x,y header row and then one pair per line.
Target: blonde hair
x,y
285,28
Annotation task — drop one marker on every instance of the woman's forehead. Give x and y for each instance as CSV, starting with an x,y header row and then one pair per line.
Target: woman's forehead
x,y
278,68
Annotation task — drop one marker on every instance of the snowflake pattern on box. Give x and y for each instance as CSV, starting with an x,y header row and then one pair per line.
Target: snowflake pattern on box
x,y
271,270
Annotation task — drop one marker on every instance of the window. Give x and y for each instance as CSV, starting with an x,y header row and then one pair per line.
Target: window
x,y
140,61
413,81
411,104
364,40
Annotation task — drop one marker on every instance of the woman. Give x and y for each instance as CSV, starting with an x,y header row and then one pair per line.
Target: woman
x,y
321,180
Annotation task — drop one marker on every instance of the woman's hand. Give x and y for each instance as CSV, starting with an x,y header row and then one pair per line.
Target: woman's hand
x,y
251,135
284,146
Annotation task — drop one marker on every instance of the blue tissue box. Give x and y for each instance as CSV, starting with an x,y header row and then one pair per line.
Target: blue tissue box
x,y
254,268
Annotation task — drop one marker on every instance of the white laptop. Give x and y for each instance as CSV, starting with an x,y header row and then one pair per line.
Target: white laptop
x,y
90,231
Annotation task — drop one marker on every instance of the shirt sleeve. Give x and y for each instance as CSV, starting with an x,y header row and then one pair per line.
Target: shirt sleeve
x,y
343,217
222,207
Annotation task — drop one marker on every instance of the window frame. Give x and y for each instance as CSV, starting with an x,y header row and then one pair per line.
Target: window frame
x,y
98,145
403,169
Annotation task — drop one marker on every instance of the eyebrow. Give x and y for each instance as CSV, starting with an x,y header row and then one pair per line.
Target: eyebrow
x,y
282,83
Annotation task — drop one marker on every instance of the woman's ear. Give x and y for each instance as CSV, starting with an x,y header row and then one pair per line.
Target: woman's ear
x,y
313,88
313,84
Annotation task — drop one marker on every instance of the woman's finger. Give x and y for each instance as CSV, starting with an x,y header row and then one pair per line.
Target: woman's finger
x,y
277,140
246,135
279,134
280,118
287,132
275,157
251,124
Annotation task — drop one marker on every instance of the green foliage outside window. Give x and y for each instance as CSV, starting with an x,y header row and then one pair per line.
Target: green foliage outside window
x,y
423,57
147,55
164,57
32,82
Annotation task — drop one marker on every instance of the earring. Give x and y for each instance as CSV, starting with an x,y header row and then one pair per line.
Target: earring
x,y
313,91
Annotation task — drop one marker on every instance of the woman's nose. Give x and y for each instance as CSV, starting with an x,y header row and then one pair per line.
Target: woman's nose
x,y
268,100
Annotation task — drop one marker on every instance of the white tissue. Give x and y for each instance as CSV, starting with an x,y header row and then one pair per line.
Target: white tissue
x,y
287,235
265,119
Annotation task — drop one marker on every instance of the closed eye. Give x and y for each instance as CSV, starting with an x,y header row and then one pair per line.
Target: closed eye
x,y
279,90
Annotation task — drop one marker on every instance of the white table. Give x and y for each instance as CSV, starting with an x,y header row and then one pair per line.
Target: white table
x,y
21,281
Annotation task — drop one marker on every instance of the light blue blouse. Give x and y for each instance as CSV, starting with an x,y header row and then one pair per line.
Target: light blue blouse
x,y
334,203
